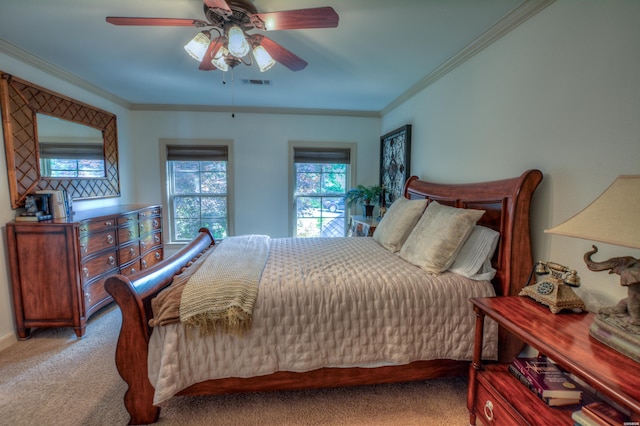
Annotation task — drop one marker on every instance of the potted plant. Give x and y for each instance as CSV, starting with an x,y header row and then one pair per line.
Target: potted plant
x,y
367,196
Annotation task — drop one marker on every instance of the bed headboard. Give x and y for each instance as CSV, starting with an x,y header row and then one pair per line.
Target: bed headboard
x,y
507,203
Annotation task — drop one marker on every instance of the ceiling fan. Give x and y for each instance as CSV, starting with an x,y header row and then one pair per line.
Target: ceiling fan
x,y
231,20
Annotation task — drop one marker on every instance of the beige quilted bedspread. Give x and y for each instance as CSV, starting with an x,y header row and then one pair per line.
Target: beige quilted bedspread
x,y
341,302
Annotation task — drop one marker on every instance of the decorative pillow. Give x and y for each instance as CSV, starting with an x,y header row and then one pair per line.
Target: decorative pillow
x,y
438,236
474,259
396,225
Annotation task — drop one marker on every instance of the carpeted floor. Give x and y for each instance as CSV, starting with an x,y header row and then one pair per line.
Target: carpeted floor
x,y
56,379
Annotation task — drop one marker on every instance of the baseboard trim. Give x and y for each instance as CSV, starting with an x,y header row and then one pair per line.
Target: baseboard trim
x,y
7,340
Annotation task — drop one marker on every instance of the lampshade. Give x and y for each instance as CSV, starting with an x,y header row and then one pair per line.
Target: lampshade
x,y
613,217
238,45
197,47
218,59
263,59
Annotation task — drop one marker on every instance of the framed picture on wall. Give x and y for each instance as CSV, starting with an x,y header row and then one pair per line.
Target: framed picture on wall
x,y
395,159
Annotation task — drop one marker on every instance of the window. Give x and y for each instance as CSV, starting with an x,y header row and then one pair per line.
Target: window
x,y
197,190
320,182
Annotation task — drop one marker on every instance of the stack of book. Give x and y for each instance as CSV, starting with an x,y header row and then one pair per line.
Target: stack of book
x,y
547,381
59,202
599,413
37,216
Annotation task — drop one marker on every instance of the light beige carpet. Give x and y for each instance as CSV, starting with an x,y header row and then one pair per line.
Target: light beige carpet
x,y
56,379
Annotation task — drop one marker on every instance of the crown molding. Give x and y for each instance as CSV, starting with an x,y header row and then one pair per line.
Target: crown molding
x,y
255,110
513,19
23,56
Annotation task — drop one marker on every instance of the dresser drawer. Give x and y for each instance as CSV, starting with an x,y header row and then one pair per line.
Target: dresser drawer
x,y
95,293
493,409
96,225
150,225
128,220
128,253
127,234
130,268
99,265
151,258
94,242
146,213
150,240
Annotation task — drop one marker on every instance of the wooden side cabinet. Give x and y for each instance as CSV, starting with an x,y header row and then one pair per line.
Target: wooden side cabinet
x,y
58,267
497,398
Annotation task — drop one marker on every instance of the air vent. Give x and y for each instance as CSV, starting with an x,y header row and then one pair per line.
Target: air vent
x,y
256,82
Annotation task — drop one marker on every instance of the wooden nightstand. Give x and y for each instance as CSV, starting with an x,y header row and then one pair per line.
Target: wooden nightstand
x,y
498,398
360,226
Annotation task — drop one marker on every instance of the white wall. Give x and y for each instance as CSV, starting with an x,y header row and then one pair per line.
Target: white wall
x,y
260,149
25,72
560,93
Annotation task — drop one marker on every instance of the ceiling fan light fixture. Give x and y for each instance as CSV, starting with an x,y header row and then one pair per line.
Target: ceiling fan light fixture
x,y
197,47
218,59
238,45
263,59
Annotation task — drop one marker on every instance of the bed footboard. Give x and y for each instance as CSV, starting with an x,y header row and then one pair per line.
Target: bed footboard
x,y
133,295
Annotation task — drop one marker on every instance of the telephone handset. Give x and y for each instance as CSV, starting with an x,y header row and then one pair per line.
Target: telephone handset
x,y
554,287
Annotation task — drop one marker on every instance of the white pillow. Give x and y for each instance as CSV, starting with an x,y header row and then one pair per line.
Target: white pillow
x,y
438,236
474,259
397,223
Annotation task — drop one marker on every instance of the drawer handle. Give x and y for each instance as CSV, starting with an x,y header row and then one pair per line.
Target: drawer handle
x,y
85,271
83,229
155,223
108,223
156,238
132,251
131,233
144,264
87,297
112,260
83,248
488,410
158,255
110,239
132,271
143,245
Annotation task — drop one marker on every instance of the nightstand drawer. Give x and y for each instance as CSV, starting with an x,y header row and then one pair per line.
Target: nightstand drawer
x,y
493,409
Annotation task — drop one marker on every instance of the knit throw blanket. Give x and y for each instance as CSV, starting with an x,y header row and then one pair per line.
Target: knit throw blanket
x,y
221,293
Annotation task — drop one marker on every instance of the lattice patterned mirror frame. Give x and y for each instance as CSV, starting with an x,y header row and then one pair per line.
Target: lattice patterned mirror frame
x,y
20,101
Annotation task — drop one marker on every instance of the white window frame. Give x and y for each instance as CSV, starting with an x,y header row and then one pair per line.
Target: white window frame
x,y
166,199
351,173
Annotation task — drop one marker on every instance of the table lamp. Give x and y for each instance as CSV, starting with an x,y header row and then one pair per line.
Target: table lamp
x,y
614,218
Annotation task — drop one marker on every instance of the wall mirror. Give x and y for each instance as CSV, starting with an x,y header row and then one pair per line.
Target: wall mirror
x,y
40,125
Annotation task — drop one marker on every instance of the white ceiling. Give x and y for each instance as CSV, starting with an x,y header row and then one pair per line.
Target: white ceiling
x,y
378,52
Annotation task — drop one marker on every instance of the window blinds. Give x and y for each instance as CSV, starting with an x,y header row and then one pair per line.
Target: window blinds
x,y
196,153
322,155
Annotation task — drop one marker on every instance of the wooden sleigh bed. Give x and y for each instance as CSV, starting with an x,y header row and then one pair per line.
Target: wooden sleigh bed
x,y
507,207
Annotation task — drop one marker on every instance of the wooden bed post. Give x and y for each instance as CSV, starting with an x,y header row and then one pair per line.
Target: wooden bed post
x,y
135,337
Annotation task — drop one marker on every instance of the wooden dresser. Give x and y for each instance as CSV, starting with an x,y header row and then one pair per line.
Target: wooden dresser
x,y
497,398
58,267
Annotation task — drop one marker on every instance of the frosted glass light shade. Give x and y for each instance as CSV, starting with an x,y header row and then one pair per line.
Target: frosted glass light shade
x,y
238,45
612,218
263,59
218,59
197,47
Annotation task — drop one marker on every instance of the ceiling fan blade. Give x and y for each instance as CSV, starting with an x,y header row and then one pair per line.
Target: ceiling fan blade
x,y
318,17
282,55
161,22
220,5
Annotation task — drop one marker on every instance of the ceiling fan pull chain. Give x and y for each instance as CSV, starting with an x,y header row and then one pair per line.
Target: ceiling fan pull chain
x,y
233,95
